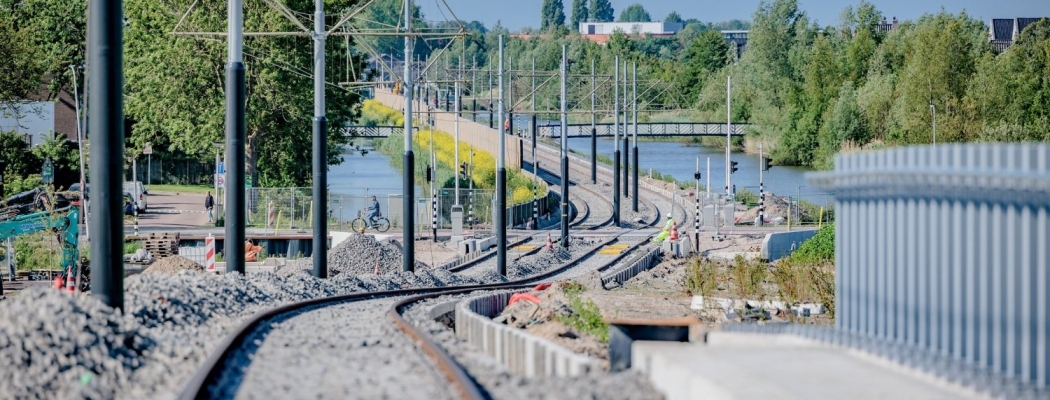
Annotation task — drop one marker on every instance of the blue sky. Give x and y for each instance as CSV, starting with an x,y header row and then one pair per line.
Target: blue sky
x,y
515,14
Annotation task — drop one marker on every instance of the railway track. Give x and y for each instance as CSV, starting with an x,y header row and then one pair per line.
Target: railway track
x,y
342,346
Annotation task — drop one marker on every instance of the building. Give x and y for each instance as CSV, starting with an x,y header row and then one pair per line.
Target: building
x,y
1002,32
738,40
599,32
38,117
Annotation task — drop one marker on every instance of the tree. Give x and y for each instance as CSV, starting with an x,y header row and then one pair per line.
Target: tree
x,y
174,89
619,44
673,18
706,54
20,68
58,30
634,13
579,13
601,11
553,15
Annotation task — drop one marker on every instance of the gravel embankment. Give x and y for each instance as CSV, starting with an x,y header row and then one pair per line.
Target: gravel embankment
x,y
501,384
346,351
538,263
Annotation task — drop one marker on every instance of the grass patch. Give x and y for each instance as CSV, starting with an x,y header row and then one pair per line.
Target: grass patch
x,y
586,318
703,276
572,288
748,277
200,189
131,247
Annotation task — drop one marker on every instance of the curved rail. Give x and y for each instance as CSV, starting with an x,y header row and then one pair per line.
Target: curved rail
x,y
211,369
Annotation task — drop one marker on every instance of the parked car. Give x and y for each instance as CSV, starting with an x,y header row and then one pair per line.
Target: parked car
x,y
74,194
138,192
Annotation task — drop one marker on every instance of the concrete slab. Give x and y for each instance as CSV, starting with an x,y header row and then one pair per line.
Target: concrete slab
x,y
745,366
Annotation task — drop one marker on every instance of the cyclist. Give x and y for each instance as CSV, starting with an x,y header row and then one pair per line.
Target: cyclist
x,y
374,208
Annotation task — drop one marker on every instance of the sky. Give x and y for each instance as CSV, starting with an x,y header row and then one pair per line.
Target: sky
x,y
516,14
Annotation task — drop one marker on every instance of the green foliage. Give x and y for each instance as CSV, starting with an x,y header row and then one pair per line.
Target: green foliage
x,y
673,17
748,276
705,55
181,109
132,246
601,11
579,14
819,248
634,13
572,288
52,34
19,61
553,15
703,277
586,317
32,254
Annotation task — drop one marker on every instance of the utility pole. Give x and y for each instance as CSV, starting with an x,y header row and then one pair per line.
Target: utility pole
x,y
626,163
491,117
564,148
594,130
696,218
320,159
616,141
408,207
235,141
456,117
474,89
106,122
634,127
501,179
761,186
83,178
729,131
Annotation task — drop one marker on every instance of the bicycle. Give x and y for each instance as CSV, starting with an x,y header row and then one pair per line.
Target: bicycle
x,y
382,224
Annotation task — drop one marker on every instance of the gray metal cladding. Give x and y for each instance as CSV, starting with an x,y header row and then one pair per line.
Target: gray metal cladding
x,y
946,249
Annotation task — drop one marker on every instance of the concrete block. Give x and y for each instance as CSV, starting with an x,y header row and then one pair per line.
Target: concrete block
x,y
778,245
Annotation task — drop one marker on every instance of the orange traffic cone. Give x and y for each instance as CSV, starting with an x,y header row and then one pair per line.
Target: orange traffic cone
x,y
377,267
58,282
71,285
674,231
550,245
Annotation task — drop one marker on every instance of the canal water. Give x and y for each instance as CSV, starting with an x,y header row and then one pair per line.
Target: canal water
x,y
372,174
679,160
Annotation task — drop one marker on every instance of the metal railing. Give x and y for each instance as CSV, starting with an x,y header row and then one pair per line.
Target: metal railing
x,y
947,248
646,129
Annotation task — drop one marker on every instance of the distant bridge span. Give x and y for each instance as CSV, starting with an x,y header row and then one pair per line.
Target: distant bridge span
x,y
584,130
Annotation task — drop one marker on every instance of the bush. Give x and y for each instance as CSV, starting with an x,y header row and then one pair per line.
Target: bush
x,y
818,249
702,277
748,277
586,318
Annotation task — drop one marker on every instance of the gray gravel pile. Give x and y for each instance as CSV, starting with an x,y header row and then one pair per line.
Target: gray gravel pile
x,y
53,345
172,264
357,255
543,261
502,384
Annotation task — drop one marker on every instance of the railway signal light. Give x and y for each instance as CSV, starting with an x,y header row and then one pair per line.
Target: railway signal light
x,y
696,175
732,166
766,163
429,175
463,169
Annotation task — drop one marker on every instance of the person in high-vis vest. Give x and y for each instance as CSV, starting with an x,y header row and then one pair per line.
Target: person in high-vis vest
x,y
666,231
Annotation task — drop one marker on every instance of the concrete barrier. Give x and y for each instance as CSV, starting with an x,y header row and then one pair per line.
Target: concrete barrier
x,y
778,245
518,351
640,264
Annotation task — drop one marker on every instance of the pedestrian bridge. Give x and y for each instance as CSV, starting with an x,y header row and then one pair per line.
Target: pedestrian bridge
x,y
584,130
645,129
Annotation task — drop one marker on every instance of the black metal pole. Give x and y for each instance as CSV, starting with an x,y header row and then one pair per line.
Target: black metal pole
x,y
235,182
106,122
320,242
409,163
501,179
616,187
626,165
594,156
474,115
634,198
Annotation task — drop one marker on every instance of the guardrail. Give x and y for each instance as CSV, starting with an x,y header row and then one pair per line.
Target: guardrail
x,y
947,249
646,129
515,349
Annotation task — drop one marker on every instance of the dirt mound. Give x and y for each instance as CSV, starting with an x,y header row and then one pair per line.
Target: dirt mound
x,y
173,264
776,207
544,320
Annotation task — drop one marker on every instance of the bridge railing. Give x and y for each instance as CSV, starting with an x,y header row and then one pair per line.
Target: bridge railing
x,y
646,129
372,131
947,249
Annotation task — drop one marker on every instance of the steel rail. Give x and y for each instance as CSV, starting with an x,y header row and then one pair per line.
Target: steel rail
x,y
198,385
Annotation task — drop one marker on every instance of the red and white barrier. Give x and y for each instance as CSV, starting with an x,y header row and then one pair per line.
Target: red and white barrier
x,y
209,251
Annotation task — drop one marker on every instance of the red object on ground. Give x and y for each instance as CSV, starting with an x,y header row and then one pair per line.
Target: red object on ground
x,y
523,296
377,268
59,283
542,286
674,231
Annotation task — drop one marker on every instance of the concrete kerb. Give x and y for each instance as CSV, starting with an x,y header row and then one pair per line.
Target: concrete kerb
x,y
518,351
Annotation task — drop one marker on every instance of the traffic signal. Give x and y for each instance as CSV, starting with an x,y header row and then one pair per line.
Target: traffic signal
x,y
732,166
766,163
734,189
463,169
429,175
696,175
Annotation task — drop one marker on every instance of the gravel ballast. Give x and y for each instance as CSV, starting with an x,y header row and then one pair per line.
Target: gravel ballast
x,y
359,254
